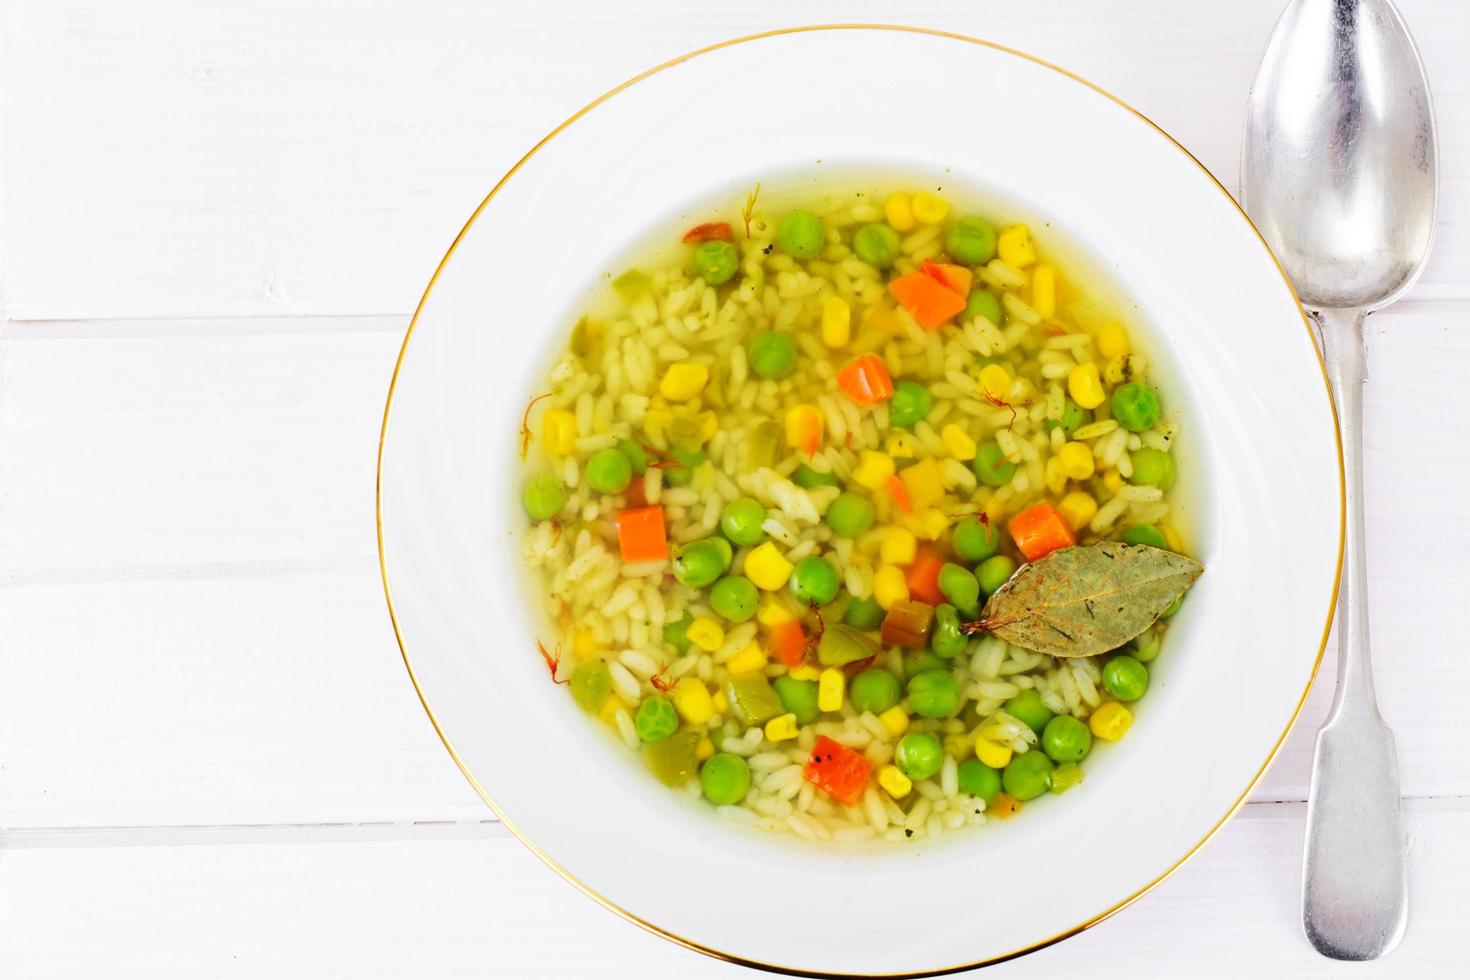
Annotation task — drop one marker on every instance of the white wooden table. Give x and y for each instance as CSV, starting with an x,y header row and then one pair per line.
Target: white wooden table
x,y
215,219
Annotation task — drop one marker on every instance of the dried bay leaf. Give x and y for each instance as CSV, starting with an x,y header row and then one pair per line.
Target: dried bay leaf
x,y
1079,602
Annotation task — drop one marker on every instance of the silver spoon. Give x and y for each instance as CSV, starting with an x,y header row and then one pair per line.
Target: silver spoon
x,y
1340,168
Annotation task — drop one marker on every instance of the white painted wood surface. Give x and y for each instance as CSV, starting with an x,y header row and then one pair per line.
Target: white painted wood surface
x,y
214,219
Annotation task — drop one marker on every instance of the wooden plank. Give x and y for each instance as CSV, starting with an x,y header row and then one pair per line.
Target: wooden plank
x,y
268,905
249,157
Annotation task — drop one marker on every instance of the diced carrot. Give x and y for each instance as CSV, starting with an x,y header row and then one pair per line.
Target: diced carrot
x,y
788,643
923,578
641,534
956,277
866,380
1039,530
716,230
900,494
930,301
839,770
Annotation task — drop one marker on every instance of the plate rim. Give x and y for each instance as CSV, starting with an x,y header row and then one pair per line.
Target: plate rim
x,y
734,957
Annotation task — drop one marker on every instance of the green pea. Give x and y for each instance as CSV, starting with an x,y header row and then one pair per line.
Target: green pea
x,y
808,478
991,466
1136,406
798,697
922,660
591,684
863,614
960,587
946,640
1125,678
982,303
849,515
1028,708
724,778
875,690
1172,608
1065,739
971,242
814,581
716,262
1072,417
543,496
699,563
686,459
1146,646
676,633
934,694
909,405
609,471
742,521
1153,468
975,540
801,235
637,457
919,755
655,719
979,780
1065,776
1027,776
1146,534
994,572
734,597
876,244
771,355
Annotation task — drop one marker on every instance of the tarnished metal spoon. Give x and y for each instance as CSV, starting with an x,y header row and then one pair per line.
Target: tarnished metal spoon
x,y
1339,173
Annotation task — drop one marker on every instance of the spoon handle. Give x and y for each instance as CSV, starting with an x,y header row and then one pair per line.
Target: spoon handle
x,y
1354,884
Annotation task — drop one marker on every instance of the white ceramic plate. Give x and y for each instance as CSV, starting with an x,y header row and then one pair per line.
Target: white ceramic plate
x,y
1261,448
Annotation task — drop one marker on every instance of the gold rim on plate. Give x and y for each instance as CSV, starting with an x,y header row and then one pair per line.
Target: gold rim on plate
x,y
651,927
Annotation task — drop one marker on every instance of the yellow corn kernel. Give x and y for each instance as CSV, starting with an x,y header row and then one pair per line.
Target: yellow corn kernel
x,y
709,424
1176,543
895,720
1044,289
656,421
609,710
836,322
957,442
1076,460
683,381
747,661
883,318
900,446
994,509
898,547
803,426
894,782
1112,340
1077,509
767,567
1113,480
782,728
1014,247
772,611
931,524
993,754
721,703
1110,721
585,644
806,672
1084,384
706,634
692,700
923,483
899,210
831,685
929,209
704,749
873,469
559,432
995,381
1056,477
889,585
